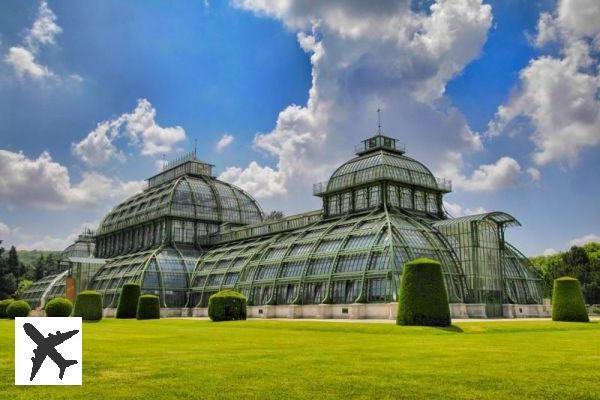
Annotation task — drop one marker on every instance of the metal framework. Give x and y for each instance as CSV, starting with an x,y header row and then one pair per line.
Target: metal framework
x,y
351,259
76,258
189,235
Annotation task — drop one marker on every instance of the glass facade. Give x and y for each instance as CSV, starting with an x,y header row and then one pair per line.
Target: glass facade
x,y
189,235
346,260
164,272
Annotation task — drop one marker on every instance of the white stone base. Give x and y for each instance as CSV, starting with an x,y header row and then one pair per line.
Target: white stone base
x,y
357,311
164,312
526,310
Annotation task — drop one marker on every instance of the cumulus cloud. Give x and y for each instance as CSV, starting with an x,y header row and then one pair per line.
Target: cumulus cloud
x,y
44,183
44,28
4,230
503,173
24,64
558,95
366,55
42,33
580,241
139,128
456,210
23,239
260,181
225,141
549,252
534,174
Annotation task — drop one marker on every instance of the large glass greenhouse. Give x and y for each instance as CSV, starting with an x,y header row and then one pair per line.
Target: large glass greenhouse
x,y
189,235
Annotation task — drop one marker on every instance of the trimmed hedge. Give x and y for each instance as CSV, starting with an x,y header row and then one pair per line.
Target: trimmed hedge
x,y
227,305
148,307
423,299
128,301
19,308
88,306
567,301
3,306
58,307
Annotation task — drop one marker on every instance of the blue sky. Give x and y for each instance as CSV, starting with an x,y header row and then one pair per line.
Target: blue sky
x,y
95,93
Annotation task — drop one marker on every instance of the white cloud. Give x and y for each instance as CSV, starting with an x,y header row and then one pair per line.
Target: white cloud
x,y
580,241
24,64
44,29
534,174
225,141
259,181
558,95
505,172
44,183
366,55
42,32
138,127
549,252
456,210
97,147
4,230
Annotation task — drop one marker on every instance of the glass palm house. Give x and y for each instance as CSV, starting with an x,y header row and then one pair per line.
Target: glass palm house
x,y
189,235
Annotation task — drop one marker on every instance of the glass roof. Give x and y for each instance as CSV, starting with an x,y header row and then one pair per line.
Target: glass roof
x,y
382,165
352,259
196,197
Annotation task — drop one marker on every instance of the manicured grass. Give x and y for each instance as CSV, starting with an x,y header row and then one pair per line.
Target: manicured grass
x,y
185,359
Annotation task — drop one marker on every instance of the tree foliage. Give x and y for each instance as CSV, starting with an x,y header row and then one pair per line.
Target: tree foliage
x,y
12,272
580,262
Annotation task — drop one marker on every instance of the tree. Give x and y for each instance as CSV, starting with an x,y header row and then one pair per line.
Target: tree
x,y
40,268
8,283
22,287
582,263
274,216
14,265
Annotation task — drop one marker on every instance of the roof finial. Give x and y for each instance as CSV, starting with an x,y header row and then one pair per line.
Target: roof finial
x,y
195,146
379,120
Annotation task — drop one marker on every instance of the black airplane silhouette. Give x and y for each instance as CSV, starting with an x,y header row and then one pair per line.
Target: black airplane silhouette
x,y
46,347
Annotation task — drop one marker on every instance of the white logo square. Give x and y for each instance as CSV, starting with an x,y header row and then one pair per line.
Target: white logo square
x,y
48,351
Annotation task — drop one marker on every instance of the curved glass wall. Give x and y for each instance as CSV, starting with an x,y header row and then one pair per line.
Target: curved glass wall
x,y
45,289
353,259
164,272
522,285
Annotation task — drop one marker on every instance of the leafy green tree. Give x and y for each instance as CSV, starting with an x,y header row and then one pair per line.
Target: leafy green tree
x,y
39,268
22,287
582,263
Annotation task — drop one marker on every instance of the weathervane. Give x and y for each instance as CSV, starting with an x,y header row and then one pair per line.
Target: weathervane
x,y
379,120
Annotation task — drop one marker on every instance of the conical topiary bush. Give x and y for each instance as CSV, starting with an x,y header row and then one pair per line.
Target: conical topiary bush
x,y
423,299
567,301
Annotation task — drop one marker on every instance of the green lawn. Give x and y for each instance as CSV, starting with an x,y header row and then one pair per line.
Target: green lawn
x,y
185,359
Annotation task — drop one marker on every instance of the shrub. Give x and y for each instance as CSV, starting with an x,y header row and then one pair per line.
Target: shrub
x,y
58,307
18,308
148,307
128,301
423,298
3,305
567,301
88,306
227,305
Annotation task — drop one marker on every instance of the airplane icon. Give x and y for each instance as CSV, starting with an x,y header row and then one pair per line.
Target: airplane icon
x,y
46,347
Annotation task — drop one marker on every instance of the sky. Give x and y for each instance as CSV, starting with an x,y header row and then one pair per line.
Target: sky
x,y
501,97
